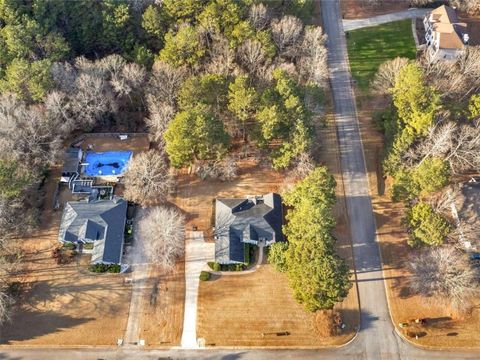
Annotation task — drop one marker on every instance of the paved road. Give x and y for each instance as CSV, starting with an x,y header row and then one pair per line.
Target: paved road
x,y
382,19
377,331
197,254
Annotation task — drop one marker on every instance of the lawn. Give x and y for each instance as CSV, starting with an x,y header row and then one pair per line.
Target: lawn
x,y
370,47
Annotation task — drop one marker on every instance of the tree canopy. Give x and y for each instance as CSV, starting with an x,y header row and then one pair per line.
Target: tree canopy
x,y
318,277
195,135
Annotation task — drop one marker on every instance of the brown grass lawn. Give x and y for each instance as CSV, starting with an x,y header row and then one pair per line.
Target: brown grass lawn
x,y
236,310
162,320
64,304
445,328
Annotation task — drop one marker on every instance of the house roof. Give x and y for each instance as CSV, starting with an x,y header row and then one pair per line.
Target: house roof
x,y
445,14
101,221
71,160
448,28
240,220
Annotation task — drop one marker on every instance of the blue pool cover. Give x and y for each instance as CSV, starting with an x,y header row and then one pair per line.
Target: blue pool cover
x,y
106,163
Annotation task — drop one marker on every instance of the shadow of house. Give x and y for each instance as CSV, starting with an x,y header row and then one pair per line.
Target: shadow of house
x,y
28,325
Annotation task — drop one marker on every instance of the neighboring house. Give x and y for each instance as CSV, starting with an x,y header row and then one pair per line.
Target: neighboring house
x,y
446,36
253,220
100,223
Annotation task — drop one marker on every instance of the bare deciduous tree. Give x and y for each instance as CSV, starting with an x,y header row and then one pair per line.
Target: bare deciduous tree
x,y
385,77
92,99
313,60
165,81
27,134
162,236
129,80
160,114
252,56
286,32
148,179
64,75
259,16
304,165
222,57
444,275
225,169
459,145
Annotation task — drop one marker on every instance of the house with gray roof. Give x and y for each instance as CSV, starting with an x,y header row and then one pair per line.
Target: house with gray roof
x,y
253,220
100,222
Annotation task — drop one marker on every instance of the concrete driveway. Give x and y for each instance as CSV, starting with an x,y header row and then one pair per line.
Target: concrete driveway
x,y
383,19
197,254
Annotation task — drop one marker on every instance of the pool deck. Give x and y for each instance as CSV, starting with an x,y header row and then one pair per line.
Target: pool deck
x,y
136,143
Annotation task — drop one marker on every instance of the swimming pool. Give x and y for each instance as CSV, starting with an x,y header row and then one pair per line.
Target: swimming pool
x,y
106,163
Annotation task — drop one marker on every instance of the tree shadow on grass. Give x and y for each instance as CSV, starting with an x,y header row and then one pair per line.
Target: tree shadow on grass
x,y
31,324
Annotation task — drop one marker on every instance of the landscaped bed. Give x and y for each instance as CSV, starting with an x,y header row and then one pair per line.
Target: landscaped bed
x,y
370,47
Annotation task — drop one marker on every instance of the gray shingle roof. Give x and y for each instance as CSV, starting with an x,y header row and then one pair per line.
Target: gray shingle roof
x,y
101,221
71,160
242,220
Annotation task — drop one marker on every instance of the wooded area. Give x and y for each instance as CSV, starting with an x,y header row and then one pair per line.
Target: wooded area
x,y
203,77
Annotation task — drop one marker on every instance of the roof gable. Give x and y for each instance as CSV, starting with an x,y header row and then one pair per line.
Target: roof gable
x,y
243,220
101,221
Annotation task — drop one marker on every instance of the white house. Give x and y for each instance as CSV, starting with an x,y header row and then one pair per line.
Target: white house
x,y
446,37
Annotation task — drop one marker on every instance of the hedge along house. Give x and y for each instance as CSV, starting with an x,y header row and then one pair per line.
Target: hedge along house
x,y
100,224
255,220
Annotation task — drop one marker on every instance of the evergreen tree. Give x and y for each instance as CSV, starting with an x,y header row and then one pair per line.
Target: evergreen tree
x,y
426,227
183,47
242,100
317,276
193,135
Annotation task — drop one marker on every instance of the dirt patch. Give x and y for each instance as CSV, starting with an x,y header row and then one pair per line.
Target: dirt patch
x,y
162,320
443,328
359,9
105,142
195,197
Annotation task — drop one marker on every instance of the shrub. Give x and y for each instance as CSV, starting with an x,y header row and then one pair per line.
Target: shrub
x,y
214,266
232,267
88,246
69,246
103,268
204,276
246,251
